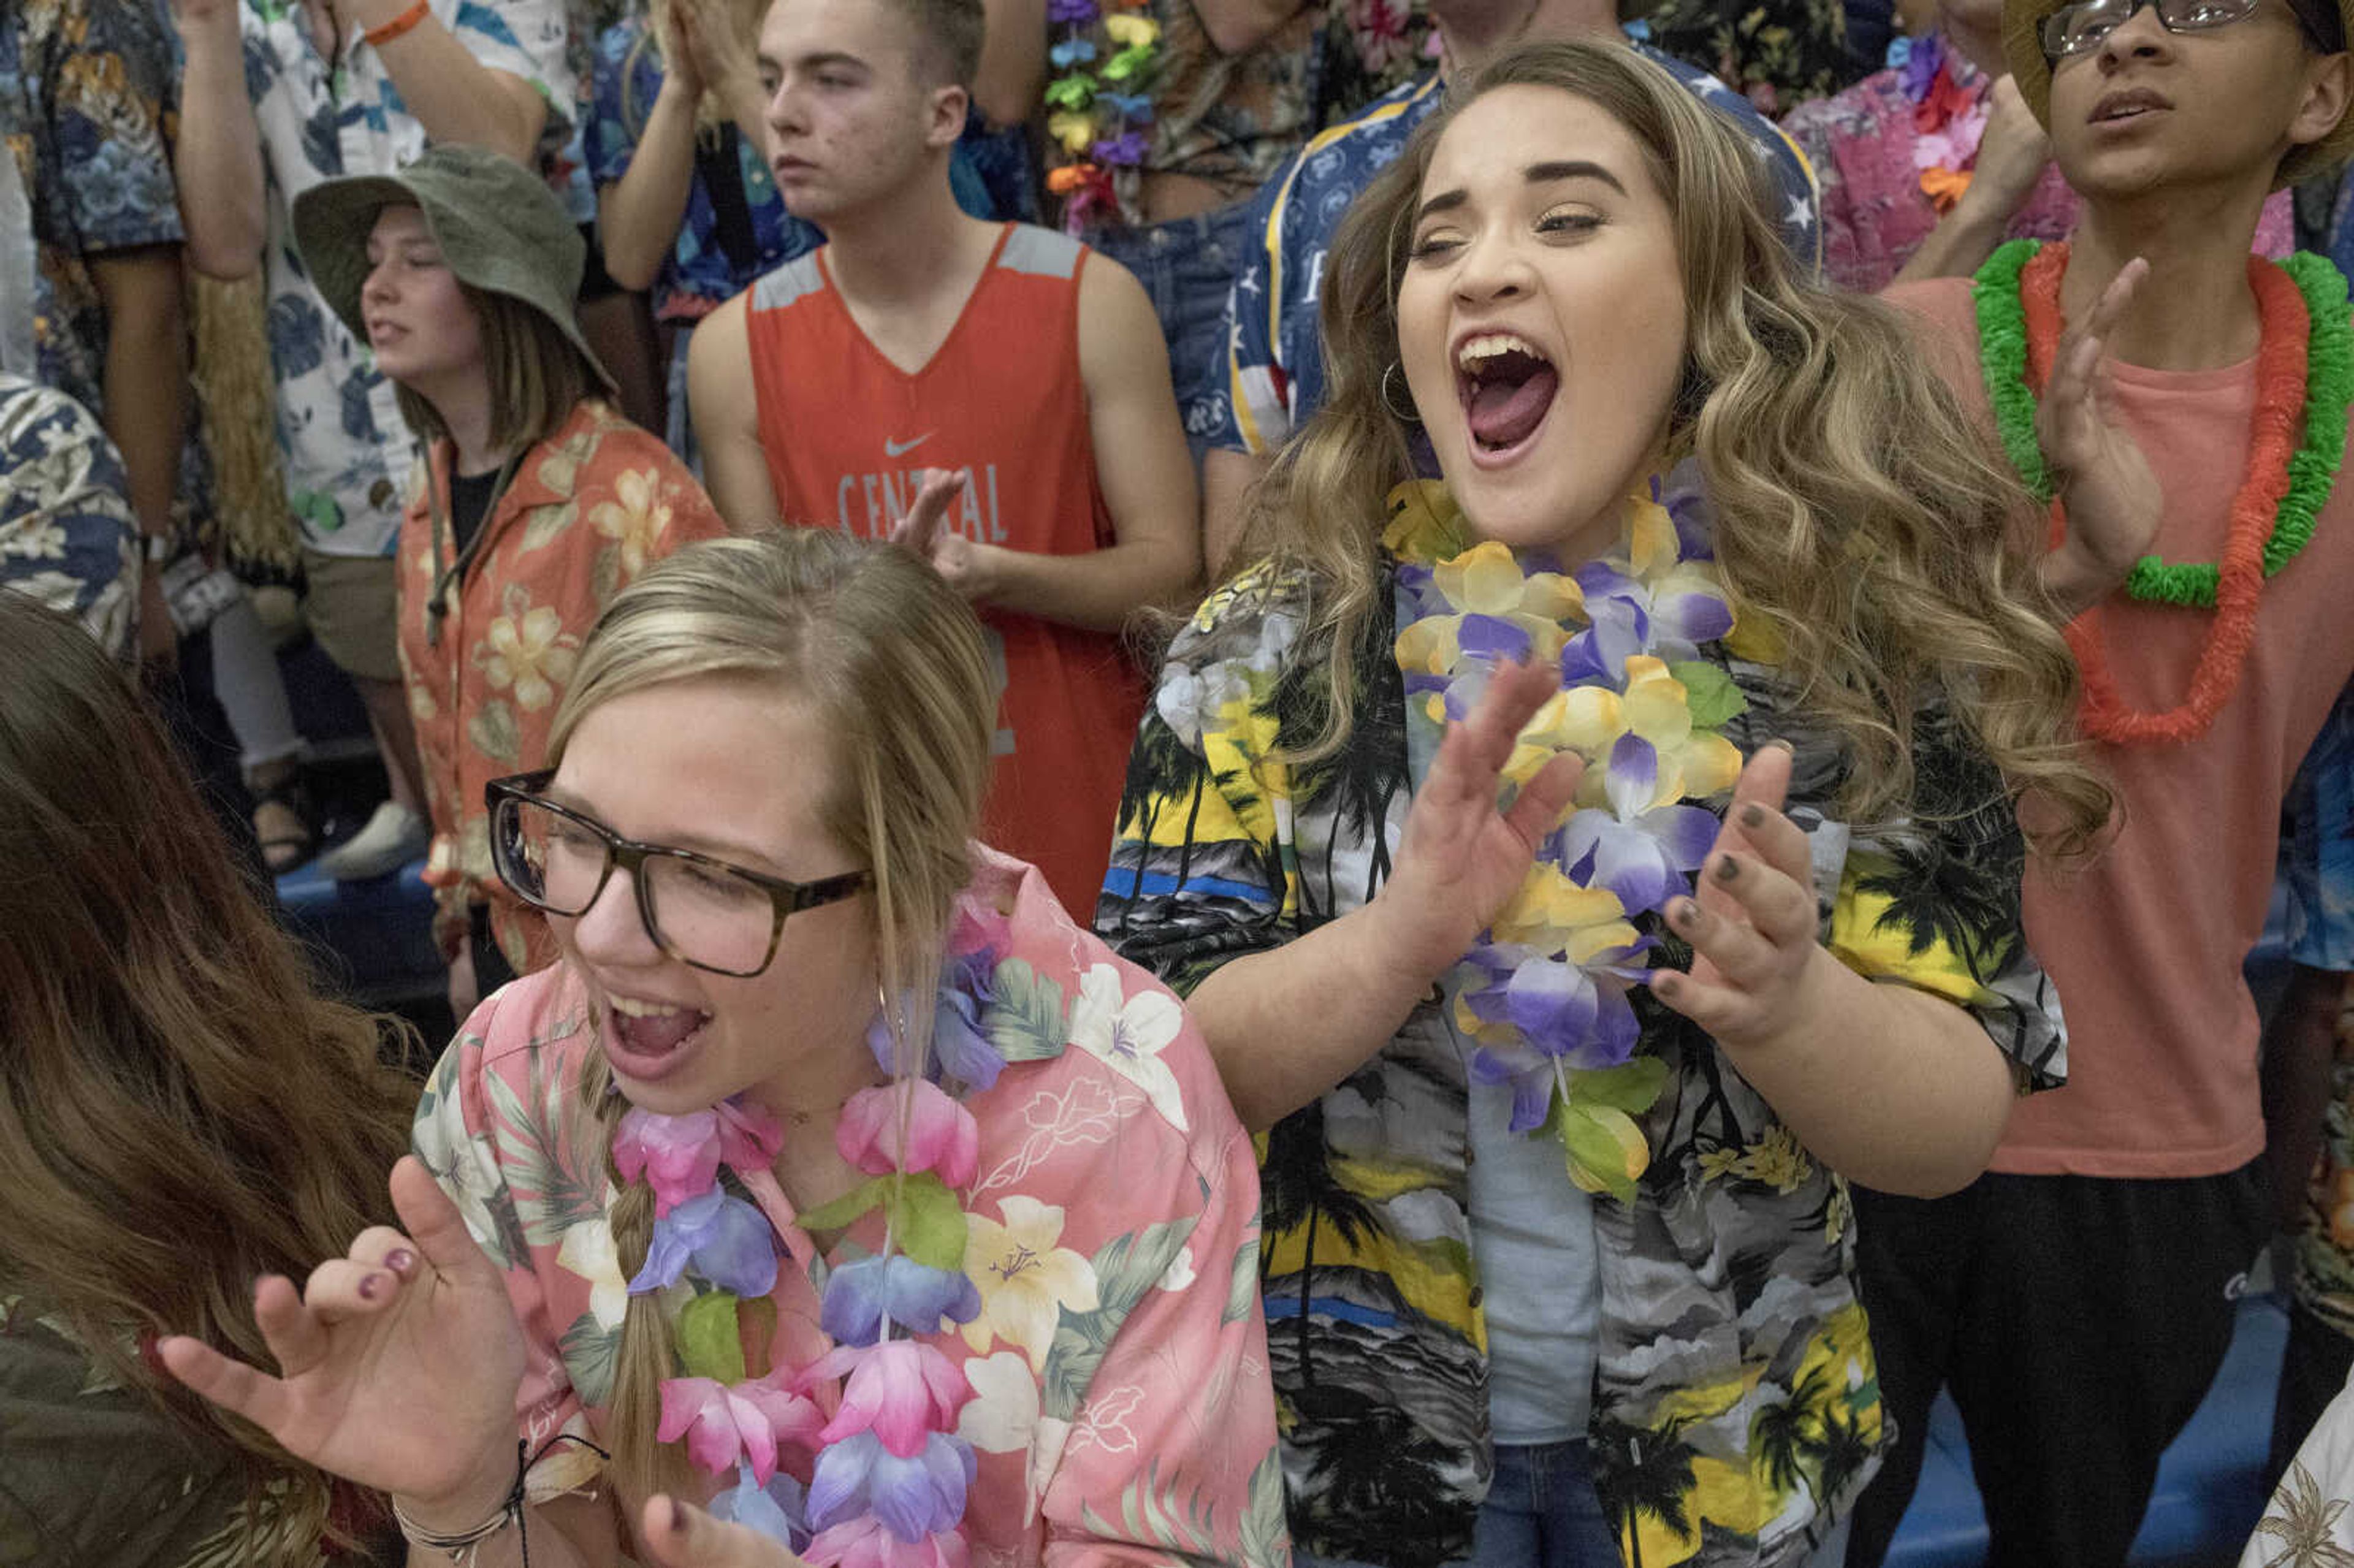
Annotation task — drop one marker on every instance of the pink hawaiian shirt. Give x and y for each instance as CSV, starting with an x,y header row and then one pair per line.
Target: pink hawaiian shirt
x,y
1875,215
1123,1410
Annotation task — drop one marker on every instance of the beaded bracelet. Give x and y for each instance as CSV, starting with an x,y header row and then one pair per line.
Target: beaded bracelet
x,y
378,37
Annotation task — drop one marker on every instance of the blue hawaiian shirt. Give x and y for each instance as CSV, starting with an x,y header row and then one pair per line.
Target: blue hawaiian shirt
x,y
698,275
1270,374
85,107
2319,854
67,536
348,453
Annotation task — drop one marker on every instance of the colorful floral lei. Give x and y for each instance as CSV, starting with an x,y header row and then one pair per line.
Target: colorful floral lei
x,y
2305,382
1544,993
881,1474
1098,106
1948,118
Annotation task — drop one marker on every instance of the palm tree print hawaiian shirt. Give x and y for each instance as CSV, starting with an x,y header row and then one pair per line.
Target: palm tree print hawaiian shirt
x,y
1737,1411
1119,1359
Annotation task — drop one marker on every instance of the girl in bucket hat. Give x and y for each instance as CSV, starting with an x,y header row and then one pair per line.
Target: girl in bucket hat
x,y
537,503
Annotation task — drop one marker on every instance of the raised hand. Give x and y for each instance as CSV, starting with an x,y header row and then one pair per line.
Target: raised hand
x,y
397,1364
2104,480
682,56
2012,153
1752,924
198,18
723,59
1460,859
683,1536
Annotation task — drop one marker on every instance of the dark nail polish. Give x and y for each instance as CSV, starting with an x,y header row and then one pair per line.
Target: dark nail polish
x,y
677,1517
1753,816
369,1287
1683,913
1727,868
400,1260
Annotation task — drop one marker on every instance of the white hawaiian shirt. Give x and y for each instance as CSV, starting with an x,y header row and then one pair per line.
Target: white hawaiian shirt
x,y
349,454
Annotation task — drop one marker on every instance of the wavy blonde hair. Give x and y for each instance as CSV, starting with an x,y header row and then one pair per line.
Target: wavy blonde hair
x,y
1861,520
158,1033
895,667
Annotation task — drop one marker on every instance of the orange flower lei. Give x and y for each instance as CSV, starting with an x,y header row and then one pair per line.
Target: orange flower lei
x,y
2280,399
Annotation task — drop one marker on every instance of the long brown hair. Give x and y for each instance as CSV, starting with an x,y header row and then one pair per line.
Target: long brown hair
x,y
179,1110
895,667
1861,521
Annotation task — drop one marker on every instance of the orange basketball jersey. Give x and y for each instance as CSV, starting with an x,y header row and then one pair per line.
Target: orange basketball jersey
x,y
848,436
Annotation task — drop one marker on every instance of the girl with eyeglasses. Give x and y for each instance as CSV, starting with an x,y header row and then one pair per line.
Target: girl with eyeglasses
x,y
833,1178
540,500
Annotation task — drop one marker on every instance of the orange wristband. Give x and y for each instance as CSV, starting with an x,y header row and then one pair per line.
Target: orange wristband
x,y
379,36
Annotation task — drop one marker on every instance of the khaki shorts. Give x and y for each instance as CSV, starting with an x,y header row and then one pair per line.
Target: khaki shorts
x,y
354,608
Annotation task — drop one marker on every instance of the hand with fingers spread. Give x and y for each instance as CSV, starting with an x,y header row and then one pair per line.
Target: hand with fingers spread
x,y
683,1536
924,530
1756,965
397,1364
1460,857
2105,482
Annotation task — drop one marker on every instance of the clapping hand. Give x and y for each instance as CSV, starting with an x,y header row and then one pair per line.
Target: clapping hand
x,y
2102,477
1462,858
397,1364
1756,963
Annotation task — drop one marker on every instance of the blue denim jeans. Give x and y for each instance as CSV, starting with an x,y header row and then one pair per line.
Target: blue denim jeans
x,y
1187,266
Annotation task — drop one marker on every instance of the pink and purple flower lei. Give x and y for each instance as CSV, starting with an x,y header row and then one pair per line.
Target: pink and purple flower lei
x,y
882,1481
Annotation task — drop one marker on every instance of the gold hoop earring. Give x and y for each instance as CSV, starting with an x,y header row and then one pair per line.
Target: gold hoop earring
x,y
1409,414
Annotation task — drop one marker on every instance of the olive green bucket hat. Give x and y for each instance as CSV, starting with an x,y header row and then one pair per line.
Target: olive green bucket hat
x,y
2022,48
500,229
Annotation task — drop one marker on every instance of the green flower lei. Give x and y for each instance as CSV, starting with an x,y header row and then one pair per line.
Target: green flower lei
x,y
2312,468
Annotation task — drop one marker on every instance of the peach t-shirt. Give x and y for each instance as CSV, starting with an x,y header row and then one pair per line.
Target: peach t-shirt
x,y
2145,944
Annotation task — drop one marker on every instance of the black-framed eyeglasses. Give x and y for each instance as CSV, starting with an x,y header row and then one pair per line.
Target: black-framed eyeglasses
x,y
2075,29
698,909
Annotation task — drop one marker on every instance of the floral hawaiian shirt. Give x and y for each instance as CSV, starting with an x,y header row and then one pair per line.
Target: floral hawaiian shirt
x,y
1269,372
701,272
85,106
586,511
2320,852
67,535
1371,48
347,450
1119,1359
1776,56
1865,148
1737,1410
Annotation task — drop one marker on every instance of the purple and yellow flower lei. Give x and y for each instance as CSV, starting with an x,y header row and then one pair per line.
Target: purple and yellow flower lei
x,y
887,1475
1543,995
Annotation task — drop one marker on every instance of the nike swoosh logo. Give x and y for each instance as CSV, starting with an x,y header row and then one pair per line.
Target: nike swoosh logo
x,y
898,448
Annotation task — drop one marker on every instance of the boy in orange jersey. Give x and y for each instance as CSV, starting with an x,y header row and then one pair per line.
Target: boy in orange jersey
x,y
919,340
